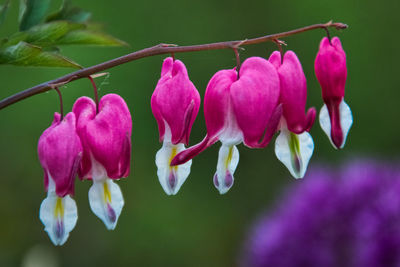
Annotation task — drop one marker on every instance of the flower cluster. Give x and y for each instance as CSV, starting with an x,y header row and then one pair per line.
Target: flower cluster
x,y
336,217
94,142
249,106
241,105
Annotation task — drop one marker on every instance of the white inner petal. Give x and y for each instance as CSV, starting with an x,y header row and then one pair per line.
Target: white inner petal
x,y
294,151
106,201
171,178
231,134
58,215
346,120
228,159
99,173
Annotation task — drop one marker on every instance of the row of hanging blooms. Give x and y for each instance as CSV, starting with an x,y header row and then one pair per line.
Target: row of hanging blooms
x,y
246,105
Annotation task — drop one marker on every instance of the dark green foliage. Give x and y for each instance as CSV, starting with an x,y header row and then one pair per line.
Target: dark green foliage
x,y
40,34
70,13
3,11
88,37
24,54
32,12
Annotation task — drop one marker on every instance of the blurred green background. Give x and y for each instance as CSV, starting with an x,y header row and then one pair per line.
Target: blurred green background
x,y
198,227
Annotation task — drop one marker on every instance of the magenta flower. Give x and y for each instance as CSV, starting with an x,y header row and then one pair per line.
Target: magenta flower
x,y
106,140
175,104
238,110
294,145
60,153
331,71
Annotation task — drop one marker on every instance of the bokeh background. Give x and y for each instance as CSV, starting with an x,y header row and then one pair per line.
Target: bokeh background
x,y
198,227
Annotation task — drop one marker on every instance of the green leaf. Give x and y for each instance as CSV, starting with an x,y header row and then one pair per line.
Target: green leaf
x,y
70,13
24,54
48,33
14,39
54,49
3,11
44,34
88,37
32,12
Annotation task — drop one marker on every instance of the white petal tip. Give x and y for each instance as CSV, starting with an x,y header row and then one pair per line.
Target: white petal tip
x,y
171,178
294,151
106,202
228,159
171,183
346,121
59,216
223,184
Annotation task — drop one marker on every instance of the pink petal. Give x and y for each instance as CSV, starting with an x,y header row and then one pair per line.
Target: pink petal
x,y
331,70
336,128
157,115
293,90
217,101
85,111
106,137
272,127
310,118
192,151
59,151
172,101
254,97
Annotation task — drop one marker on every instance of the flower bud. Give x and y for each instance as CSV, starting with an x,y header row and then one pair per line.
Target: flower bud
x,y
238,109
60,153
106,140
331,71
175,103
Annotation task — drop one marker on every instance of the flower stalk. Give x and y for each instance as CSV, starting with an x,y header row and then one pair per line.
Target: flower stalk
x,y
61,103
95,92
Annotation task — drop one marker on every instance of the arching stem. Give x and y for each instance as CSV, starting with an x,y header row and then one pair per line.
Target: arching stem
x,y
158,50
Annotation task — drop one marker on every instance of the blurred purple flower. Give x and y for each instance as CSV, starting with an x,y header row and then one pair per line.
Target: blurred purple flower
x,y
348,217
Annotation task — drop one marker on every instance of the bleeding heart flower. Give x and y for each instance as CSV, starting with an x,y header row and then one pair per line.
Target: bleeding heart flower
x,y
294,145
60,153
106,140
175,104
331,71
238,110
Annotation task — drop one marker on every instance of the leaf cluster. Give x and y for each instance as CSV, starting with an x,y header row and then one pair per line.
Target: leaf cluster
x,y
41,33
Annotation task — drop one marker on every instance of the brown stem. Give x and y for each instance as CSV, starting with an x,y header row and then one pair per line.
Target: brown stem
x,y
156,50
328,35
279,43
235,50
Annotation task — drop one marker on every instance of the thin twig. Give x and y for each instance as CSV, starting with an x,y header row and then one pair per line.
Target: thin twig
x,y
61,103
237,56
156,50
96,94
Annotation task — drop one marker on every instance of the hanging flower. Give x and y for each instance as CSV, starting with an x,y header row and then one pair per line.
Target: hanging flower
x,y
106,140
238,110
294,145
175,104
330,68
60,153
